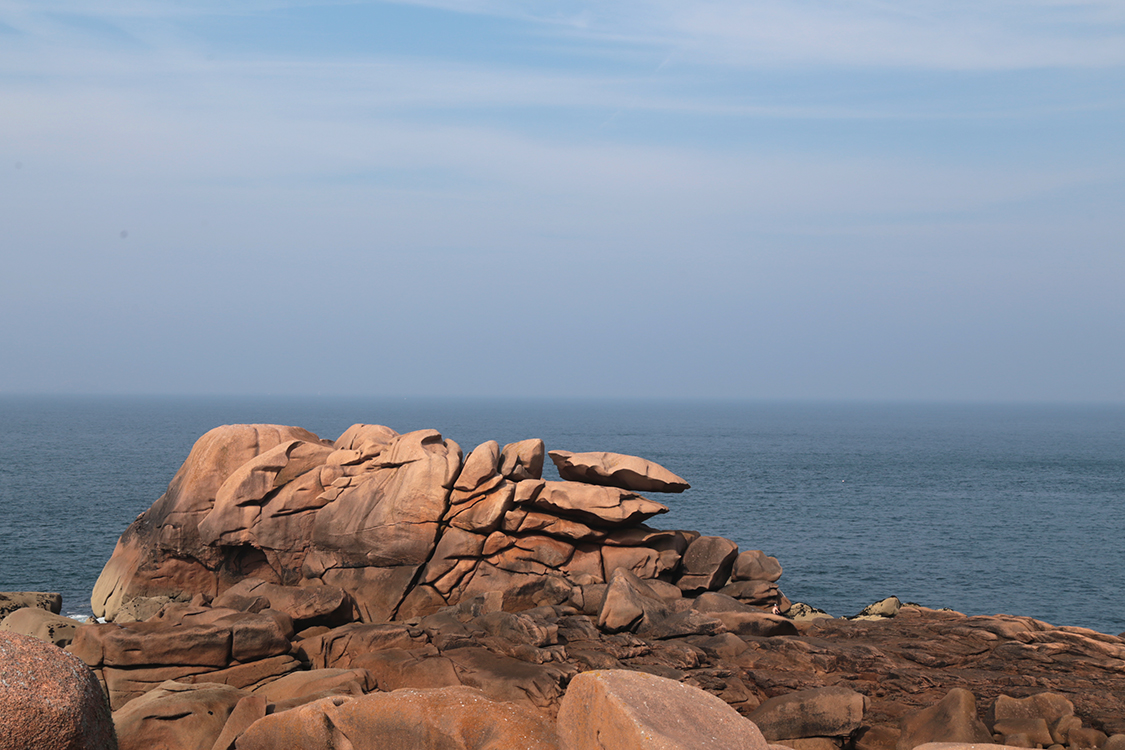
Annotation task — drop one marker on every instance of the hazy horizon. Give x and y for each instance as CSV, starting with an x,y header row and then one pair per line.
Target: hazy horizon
x,y
798,201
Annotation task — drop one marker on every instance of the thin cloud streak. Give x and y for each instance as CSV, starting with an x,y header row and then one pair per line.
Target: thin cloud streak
x,y
925,34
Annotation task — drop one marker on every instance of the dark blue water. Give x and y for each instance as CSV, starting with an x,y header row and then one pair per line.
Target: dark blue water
x,y
985,509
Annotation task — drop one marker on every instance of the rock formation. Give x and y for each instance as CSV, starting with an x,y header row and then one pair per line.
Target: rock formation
x,y
382,585
402,527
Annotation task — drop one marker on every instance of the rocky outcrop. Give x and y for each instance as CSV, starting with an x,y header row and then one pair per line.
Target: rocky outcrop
x,y
309,581
49,700
394,526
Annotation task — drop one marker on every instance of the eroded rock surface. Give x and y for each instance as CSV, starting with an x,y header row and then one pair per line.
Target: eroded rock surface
x,y
305,576
397,525
457,718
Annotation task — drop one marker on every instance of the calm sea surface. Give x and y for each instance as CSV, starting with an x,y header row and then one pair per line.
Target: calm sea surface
x,y
985,509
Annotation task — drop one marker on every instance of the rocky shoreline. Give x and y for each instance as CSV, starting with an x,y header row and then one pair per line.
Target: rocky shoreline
x,y
285,583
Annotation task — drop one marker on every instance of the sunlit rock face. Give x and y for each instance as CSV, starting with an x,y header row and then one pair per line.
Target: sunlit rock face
x,y
402,524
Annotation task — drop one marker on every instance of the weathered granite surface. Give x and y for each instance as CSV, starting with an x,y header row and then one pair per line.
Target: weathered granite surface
x,y
282,579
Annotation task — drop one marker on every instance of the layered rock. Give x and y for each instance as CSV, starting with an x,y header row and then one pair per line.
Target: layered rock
x,y
399,524
187,644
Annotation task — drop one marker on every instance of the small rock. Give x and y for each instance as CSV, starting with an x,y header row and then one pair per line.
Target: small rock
x,y
881,609
802,612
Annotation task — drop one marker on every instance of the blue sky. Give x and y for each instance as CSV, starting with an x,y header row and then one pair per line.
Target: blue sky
x,y
846,200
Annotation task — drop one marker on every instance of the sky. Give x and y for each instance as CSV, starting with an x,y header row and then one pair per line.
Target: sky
x,y
753,199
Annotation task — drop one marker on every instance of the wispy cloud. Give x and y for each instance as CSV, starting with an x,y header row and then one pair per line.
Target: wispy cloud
x,y
927,34
930,34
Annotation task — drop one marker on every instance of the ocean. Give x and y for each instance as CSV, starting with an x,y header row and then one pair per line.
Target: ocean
x,y
1016,509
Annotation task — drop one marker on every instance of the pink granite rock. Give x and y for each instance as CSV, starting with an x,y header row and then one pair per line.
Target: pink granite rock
x,y
50,700
626,710
617,470
454,718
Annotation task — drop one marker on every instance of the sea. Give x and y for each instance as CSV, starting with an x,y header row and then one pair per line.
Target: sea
x,y
982,508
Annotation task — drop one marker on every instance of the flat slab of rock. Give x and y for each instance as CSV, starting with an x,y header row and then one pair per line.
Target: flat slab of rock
x,y
454,718
598,506
627,710
617,470
821,712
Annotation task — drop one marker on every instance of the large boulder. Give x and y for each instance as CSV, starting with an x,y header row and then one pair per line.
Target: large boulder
x,y
522,460
617,470
707,564
454,718
755,565
50,700
10,601
820,712
175,716
624,710
593,505
42,624
953,719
